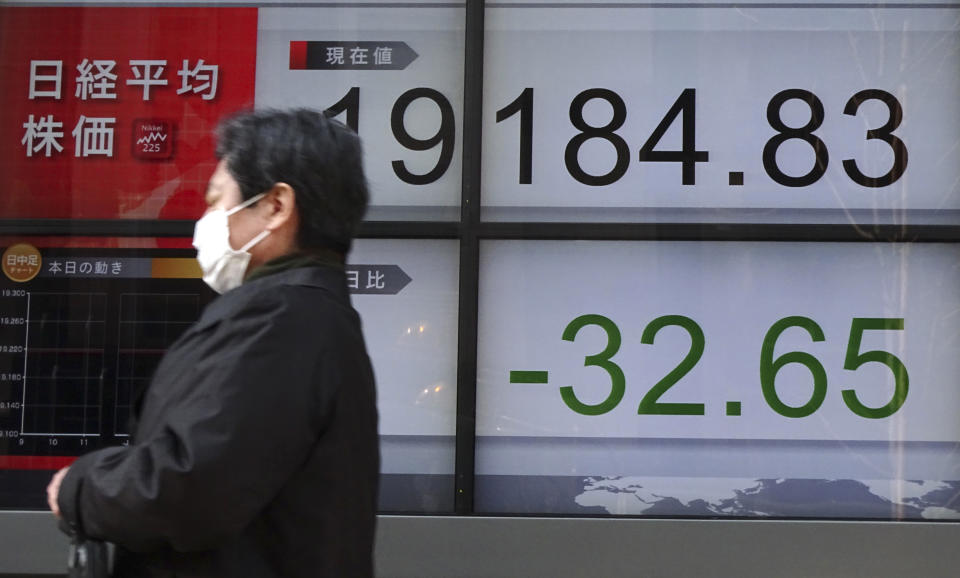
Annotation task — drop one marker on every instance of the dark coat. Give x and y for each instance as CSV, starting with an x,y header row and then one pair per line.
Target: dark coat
x,y
256,450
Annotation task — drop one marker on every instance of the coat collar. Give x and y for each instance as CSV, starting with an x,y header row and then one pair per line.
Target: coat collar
x,y
331,279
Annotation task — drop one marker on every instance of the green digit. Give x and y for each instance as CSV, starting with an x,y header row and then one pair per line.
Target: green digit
x,y
601,360
769,367
649,404
854,359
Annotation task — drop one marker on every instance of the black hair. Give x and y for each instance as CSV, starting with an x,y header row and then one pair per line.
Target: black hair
x,y
320,158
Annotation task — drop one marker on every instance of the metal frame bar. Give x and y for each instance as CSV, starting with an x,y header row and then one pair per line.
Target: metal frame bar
x,y
719,232
184,228
469,259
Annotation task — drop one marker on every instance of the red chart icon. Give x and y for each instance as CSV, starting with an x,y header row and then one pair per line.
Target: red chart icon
x,y
153,139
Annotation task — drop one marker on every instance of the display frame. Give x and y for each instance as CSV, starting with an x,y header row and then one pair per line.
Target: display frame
x,y
471,228
899,545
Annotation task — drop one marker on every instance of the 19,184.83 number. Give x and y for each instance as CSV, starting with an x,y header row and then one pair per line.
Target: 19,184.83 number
x,y
683,109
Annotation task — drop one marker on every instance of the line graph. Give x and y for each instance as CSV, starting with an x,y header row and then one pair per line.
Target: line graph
x,y
76,354
63,364
149,324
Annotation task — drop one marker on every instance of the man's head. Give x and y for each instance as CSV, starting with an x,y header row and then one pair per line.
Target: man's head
x,y
310,171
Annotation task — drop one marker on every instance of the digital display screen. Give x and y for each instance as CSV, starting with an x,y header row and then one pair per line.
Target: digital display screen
x,y
703,378
83,329
719,378
81,332
392,73
791,379
410,326
112,114
108,113
706,112
111,117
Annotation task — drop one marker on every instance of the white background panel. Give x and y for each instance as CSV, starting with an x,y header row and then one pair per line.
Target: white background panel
x,y
737,59
531,290
412,336
434,33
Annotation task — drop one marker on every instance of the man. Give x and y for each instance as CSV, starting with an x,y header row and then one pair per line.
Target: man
x,y
255,452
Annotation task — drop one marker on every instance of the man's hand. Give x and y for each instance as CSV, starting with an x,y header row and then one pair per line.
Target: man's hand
x,y
53,490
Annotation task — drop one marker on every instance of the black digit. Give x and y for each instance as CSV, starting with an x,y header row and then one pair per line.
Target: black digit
x,y
350,103
605,132
804,133
524,105
883,133
445,136
688,155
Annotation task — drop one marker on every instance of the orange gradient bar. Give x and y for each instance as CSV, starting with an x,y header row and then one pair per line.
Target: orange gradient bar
x,y
175,268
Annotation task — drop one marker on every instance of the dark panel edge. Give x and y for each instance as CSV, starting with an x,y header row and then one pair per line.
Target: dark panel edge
x,y
719,232
469,258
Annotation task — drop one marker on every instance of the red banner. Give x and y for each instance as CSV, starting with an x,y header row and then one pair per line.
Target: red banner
x,y
107,113
35,462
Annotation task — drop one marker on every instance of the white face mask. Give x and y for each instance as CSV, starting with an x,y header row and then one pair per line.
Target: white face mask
x,y
223,266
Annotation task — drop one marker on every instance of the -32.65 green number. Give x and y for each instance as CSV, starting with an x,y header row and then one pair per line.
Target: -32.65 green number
x,y
769,367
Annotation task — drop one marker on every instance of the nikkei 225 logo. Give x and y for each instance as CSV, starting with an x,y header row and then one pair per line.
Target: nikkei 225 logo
x,y
153,139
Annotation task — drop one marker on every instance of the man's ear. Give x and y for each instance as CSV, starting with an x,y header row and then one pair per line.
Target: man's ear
x,y
282,206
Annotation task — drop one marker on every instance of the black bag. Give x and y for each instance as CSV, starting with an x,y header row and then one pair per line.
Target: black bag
x,y
88,558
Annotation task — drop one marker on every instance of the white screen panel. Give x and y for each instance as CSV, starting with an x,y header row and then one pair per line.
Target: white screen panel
x,y
315,57
714,72
714,431
406,292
